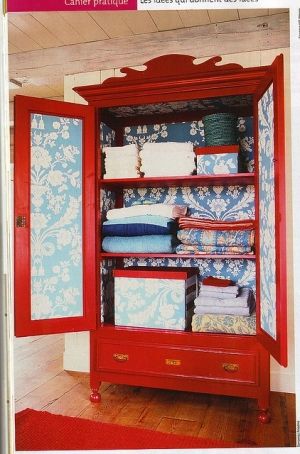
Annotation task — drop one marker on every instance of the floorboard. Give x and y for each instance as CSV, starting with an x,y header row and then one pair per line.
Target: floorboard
x,y
42,384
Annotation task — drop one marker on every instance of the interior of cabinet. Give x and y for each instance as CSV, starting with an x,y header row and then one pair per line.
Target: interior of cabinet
x,y
226,197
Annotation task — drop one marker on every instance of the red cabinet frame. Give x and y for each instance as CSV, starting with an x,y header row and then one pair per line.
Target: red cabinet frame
x,y
165,79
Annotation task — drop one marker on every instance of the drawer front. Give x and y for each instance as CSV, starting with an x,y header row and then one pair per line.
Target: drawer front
x,y
166,361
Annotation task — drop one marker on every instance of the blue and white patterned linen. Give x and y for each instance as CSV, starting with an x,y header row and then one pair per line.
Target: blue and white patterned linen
x,y
218,163
216,237
56,217
267,213
219,323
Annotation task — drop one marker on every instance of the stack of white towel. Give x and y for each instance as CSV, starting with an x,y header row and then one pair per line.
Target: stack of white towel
x,y
230,300
121,162
167,159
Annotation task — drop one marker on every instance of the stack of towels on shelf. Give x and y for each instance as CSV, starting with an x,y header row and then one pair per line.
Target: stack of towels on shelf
x,y
121,162
202,236
223,306
167,159
142,228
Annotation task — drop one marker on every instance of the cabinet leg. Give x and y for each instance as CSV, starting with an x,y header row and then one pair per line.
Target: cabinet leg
x,y
95,395
264,416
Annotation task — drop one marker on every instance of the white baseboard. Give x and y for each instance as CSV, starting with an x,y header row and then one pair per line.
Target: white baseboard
x,y
283,382
76,362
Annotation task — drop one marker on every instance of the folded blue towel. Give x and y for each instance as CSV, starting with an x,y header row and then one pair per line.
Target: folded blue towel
x,y
145,243
139,225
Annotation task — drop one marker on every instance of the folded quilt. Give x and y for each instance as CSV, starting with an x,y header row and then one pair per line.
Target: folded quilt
x,y
231,324
198,249
190,222
139,244
139,225
225,238
157,209
244,299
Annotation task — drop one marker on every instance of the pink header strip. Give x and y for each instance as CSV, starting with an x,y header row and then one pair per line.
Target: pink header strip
x,y
14,6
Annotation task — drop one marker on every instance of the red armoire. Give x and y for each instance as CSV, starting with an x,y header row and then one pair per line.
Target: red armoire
x,y
64,280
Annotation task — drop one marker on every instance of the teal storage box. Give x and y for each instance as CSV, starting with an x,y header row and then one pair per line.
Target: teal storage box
x,y
161,298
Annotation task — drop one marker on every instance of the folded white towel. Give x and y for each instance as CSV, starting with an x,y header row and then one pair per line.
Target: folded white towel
x,y
162,147
231,289
243,300
126,149
159,209
229,310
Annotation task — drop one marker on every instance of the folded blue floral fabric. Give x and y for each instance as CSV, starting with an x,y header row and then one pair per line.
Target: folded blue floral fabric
x,y
139,244
217,237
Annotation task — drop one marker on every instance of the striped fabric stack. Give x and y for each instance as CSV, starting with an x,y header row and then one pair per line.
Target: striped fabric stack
x,y
222,306
142,228
202,236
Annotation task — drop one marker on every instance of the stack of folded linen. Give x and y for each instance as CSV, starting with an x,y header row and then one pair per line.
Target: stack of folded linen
x,y
167,159
121,162
142,229
225,302
201,236
223,307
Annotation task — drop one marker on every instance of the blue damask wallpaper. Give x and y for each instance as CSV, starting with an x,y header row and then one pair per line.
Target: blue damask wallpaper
x,y
194,132
56,216
267,212
210,202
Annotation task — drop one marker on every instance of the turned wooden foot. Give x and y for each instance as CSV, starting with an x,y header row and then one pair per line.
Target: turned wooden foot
x,y
264,416
95,396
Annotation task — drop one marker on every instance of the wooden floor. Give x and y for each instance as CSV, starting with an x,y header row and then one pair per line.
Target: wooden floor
x,y
42,384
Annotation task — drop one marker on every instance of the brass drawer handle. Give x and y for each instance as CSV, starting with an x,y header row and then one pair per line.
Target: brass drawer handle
x,y
20,221
230,367
122,357
173,362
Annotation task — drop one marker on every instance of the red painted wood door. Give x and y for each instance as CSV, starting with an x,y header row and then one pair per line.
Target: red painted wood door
x,y
54,218
270,209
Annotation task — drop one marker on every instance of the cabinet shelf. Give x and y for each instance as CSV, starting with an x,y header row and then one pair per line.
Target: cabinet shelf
x,y
106,255
188,180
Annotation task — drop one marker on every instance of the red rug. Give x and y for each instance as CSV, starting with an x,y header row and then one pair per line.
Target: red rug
x,y
40,430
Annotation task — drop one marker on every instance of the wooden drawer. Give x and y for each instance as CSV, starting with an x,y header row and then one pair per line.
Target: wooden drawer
x,y
223,365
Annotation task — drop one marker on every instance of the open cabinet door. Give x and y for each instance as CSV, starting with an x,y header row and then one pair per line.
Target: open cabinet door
x,y
55,253
271,244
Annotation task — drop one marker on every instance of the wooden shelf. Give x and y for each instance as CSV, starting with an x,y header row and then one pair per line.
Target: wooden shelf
x,y
107,255
189,180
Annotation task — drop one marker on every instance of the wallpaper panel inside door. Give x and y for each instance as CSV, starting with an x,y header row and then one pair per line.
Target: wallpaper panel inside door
x,y
267,212
56,217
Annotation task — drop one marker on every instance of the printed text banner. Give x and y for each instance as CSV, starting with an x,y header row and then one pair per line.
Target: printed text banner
x,y
70,5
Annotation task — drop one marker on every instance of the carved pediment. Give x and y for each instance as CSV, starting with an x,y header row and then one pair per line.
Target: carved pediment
x,y
170,67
